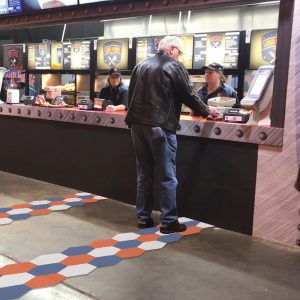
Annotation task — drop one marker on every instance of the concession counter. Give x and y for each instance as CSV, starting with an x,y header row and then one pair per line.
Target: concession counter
x,y
92,151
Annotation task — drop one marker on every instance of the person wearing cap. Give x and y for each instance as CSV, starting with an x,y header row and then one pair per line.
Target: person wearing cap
x,y
158,87
115,91
215,85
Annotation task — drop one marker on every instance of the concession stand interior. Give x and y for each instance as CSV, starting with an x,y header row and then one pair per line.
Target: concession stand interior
x,y
65,52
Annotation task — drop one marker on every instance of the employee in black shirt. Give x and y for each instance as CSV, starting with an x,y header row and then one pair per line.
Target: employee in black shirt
x,y
115,91
215,85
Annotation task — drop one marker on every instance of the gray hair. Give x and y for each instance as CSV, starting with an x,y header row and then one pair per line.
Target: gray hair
x,y
170,41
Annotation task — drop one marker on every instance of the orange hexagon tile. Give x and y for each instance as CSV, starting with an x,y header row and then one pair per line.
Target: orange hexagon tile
x,y
132,252
16,268
45,280
77,260
104,243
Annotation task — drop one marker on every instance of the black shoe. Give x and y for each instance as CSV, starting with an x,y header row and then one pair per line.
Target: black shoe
x,y
172,227
148,224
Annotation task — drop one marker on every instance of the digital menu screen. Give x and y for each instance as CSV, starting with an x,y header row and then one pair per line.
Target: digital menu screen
x,y
263,48
148,46
92,1
39,56
11,7
66,56
112,53
187,48
222,48
57,56
80,55
45,4
13,57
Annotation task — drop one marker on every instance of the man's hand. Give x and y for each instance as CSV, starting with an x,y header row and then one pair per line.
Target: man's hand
x,y
214,111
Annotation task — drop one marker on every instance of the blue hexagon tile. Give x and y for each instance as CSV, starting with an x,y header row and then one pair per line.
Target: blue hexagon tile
x,y
48,270
44,207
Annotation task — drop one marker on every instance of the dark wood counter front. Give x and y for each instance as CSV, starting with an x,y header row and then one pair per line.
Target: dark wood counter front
x,y
189,126
216,177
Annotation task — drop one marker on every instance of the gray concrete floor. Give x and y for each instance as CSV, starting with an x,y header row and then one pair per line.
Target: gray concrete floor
x,y
215,264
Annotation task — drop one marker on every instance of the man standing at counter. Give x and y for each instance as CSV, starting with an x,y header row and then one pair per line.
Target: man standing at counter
x,y
158,87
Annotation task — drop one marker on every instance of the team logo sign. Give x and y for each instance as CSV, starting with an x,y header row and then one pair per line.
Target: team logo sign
x,y
76,48
269,42
112,53
43,49
216,40
13,58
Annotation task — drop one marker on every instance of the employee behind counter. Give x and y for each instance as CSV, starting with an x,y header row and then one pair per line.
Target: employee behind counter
x,y
115,91
215,85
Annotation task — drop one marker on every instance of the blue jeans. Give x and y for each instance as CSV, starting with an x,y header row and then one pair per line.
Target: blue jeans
x,y
155,150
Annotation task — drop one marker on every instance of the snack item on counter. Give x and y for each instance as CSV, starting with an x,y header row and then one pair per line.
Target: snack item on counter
x,y
41,101
59,101
221,101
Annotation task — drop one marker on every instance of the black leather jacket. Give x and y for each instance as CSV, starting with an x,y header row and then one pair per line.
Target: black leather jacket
x,y
158,87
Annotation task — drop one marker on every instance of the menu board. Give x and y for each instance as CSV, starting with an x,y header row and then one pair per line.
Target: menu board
x,y
80,55
112,53
222,48
91,1
67,56
57,56
148,46
187,48
45,4
13,57
39,56
10,7
263,48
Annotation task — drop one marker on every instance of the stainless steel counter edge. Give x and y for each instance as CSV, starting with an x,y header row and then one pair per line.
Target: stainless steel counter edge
x,y
189,126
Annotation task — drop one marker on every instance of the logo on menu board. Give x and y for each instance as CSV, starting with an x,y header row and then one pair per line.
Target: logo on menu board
x,y
112,53
216,40
77,48
13,58
269,42
43,49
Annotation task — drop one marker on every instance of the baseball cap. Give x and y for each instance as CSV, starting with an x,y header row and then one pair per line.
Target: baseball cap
x,y
214,67
114,72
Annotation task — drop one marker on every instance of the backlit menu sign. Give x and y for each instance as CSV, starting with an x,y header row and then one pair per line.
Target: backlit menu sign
x,y
148,46
222,48
57,57
92,1
39,56
45,4
10,7
263,48
13,57
187,48
80,55
112,53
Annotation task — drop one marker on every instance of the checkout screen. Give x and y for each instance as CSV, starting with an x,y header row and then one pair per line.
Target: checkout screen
x,y
258,85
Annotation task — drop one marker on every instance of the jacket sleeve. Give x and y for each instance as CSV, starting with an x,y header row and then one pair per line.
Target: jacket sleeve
x,y
185,93
131,86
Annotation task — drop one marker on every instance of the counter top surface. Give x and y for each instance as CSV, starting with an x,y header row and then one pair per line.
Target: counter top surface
x,y
189,125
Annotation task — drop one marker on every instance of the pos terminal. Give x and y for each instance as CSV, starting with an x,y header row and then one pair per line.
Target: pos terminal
x,y
256,105
259,96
